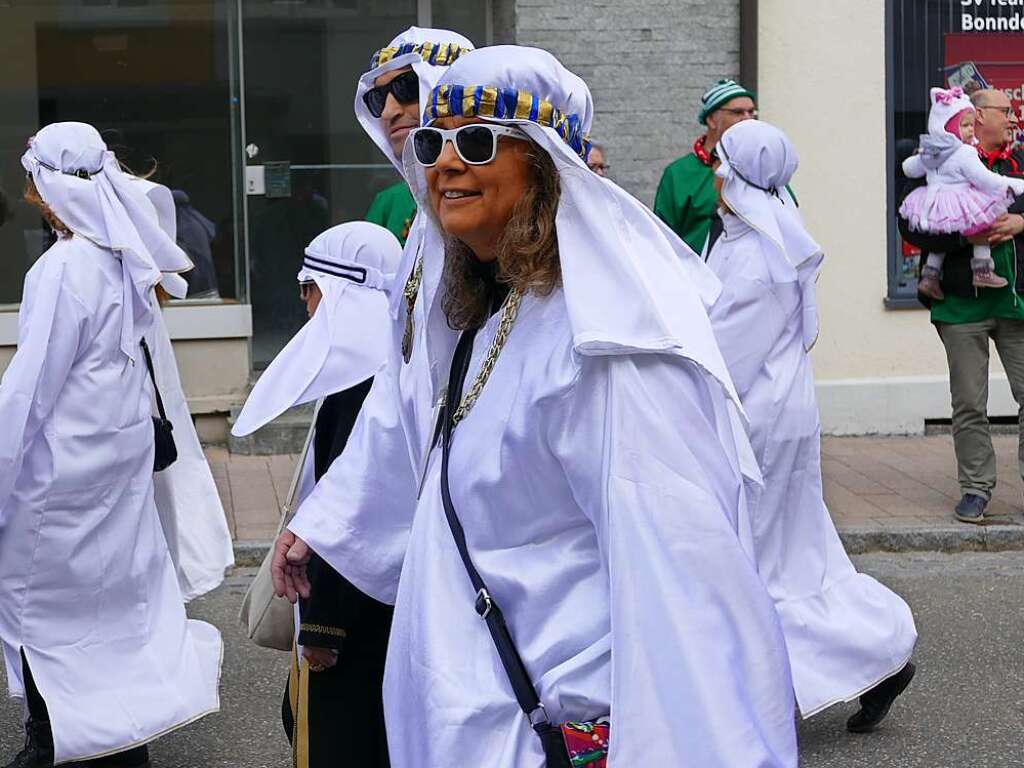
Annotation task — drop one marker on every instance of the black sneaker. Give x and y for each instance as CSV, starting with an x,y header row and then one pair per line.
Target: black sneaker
x,y
875,704
38,751
971,509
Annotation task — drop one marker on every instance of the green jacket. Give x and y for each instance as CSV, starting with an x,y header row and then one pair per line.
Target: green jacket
x,y
393,208
686,199
990,302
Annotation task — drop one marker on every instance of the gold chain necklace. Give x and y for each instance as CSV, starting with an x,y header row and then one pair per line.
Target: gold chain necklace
x,y
508,316
412,288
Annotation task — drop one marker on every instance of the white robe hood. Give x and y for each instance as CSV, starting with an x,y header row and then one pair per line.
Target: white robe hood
x,y
429,52
346,340
758,161
82,182
630,284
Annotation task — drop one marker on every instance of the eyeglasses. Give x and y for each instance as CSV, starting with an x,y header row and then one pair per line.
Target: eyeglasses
x,y
305,288
405,88
1007,111
740,111
476,144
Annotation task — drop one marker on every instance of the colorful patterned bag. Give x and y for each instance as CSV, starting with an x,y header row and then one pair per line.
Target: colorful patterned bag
x,y
587,743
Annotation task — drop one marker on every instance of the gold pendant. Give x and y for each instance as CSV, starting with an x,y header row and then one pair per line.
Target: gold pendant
x,y
407,337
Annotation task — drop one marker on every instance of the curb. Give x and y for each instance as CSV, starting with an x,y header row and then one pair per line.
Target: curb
x,y
250,554
857,541
953,538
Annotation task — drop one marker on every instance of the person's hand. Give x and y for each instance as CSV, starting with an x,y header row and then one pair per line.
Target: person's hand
x,y
288,567
1006,227
319,658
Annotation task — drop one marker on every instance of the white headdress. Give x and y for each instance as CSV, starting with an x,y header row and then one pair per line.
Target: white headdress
x,y
429,52
630,284
346,340
758,161
945,104
82,182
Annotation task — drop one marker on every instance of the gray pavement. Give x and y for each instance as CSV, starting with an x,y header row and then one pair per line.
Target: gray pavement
x,y
965,708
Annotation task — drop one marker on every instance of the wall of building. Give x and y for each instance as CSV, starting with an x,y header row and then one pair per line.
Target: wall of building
x,y
211,345
822,79
647,63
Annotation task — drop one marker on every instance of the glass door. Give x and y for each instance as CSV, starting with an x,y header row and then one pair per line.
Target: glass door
x,y
158,81
309,165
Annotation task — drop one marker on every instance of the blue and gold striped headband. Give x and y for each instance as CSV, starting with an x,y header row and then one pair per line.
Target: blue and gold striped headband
x,y
506,104
438,54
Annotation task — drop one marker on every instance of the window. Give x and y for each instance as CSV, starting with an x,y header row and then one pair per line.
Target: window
x,y
301,64
155,78
941,43
206,88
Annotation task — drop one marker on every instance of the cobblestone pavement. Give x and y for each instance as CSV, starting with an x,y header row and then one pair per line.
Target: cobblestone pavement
x,y
965,707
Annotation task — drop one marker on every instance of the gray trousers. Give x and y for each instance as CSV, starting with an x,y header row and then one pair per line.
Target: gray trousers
x,y
967,352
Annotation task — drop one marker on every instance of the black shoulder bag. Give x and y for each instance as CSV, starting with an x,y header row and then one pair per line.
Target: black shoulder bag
x,y
166,451
587,741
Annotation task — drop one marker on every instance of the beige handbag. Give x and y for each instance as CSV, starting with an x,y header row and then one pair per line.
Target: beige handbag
x,y
268,619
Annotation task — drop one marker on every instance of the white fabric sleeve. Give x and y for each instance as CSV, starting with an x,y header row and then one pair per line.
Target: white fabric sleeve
x,y
51,323
913,168
359,514
747,320
979,176
695,636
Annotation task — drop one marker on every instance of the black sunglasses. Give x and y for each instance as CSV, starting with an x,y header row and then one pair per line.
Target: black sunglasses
x,y
405,88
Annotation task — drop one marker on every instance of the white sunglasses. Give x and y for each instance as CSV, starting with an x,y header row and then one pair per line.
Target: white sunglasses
x,y
476,144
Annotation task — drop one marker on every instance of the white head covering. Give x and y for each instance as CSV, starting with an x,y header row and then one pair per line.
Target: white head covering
x,y
758,161
162,200
944,105
630,284
346,340
938,145
82,182
429,52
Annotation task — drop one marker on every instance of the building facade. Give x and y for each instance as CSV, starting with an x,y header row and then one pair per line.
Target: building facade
x,y
849,83
246,106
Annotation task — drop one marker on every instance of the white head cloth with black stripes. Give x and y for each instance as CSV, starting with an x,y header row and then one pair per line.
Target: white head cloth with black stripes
x,y
345,342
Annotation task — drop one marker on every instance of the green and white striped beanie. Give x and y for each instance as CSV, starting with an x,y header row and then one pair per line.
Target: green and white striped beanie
x,y
718,94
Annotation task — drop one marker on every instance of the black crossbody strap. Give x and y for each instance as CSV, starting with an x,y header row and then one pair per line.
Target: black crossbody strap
x,y
486,607
152,377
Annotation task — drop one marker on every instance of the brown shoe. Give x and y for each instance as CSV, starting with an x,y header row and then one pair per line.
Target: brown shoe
x,y
929,286
988,279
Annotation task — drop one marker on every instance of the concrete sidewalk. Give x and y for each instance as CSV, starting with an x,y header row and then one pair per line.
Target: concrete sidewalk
x,y
884,493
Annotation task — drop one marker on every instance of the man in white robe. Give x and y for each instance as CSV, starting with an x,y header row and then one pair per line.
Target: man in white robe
x,y
385,435
847,635
92,622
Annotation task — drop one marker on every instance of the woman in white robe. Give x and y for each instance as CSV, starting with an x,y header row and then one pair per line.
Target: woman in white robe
x,y
845,632
89,601
597,475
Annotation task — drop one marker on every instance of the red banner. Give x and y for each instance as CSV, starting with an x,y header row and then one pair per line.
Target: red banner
x,y
997,57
